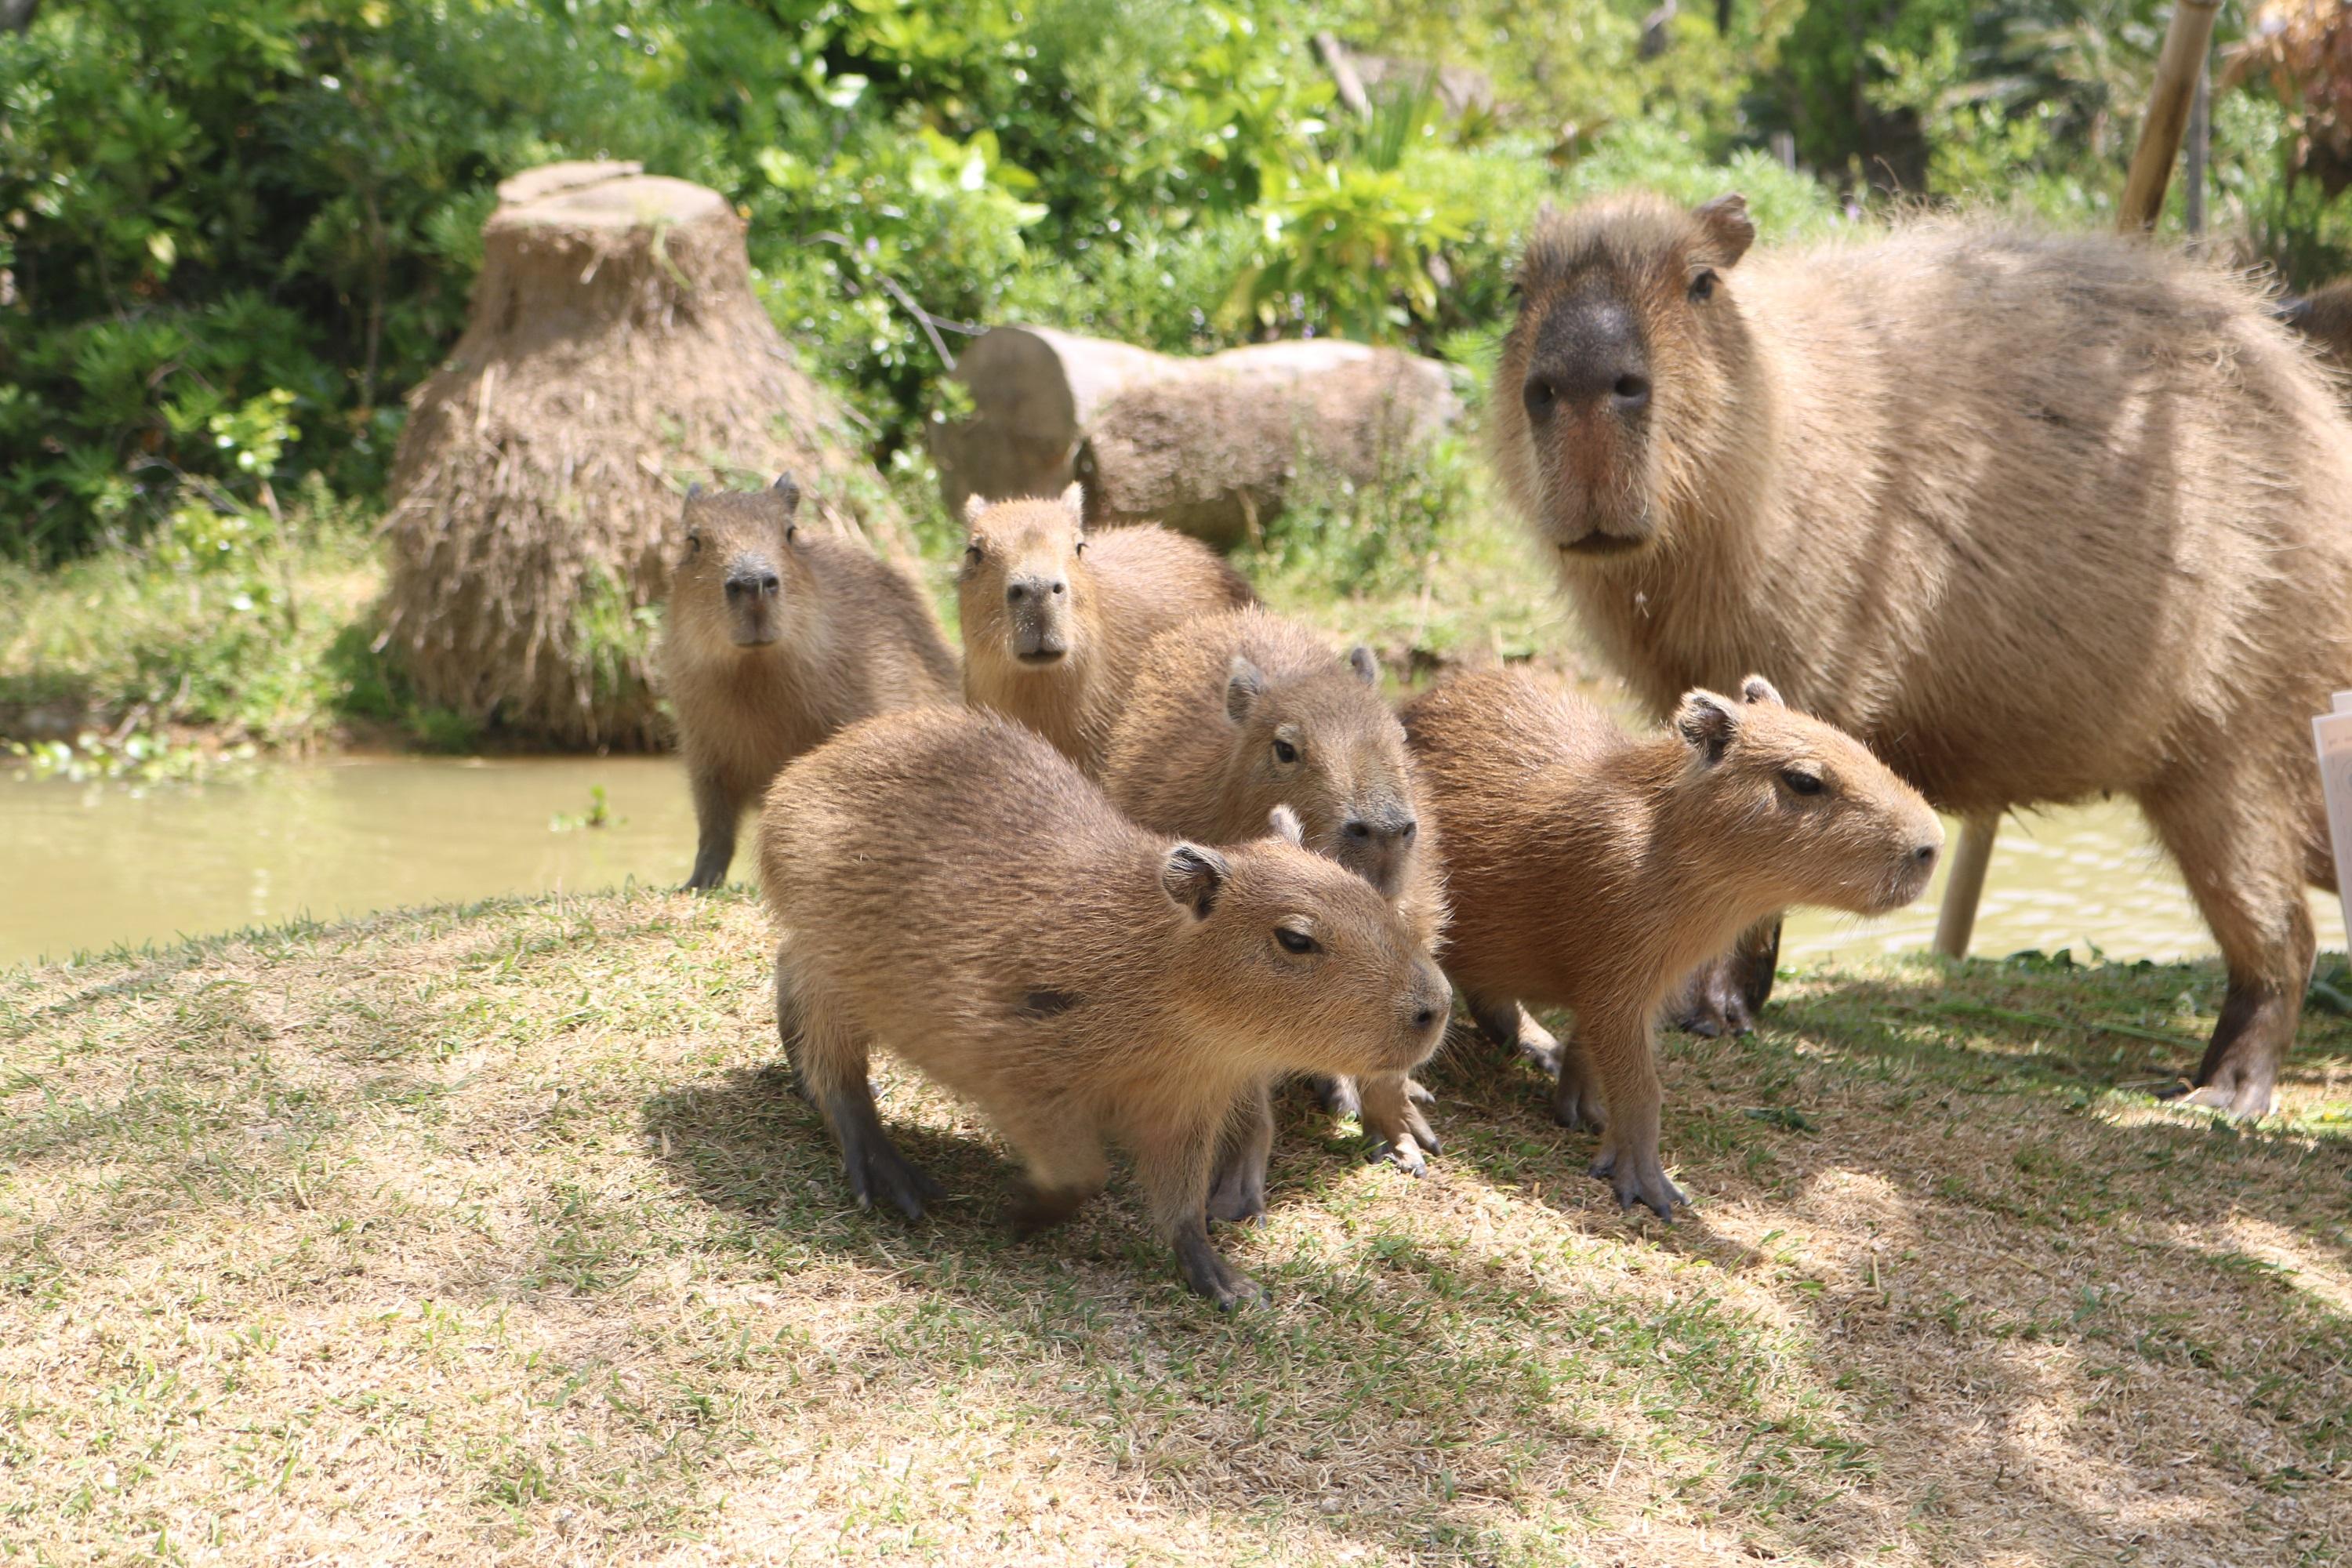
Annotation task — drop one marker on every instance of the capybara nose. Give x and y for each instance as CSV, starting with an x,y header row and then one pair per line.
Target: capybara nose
x,y
744,583
1631,394
1366,832
1925,855
1020,590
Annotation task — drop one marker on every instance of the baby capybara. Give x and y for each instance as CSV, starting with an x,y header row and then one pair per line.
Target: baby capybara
x,y
2036,517
1590,869
1235,714
776,638
1055,618
949,887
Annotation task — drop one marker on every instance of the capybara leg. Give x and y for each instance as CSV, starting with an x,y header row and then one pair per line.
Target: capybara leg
x,y
1064,1154
1173,1158
1724,995
2243,865
1337,1094
715,812
832,1061
1576,1092
788,1024
1400,1133
1629,1159
1245,1144
1514,1028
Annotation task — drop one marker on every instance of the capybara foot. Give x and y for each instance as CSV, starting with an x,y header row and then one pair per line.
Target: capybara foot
x,y
882,1172
1712,1002
1400,1134
1513,1028
2238,1092
2249,1040
1238,1195
1034,1208
1337,1095
1208,1274
1638,1179
1575,1097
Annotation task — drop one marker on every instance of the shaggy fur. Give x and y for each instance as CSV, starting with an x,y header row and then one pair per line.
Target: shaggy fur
x,y
1591,870
816,632
1055,618
1233,715
950,886
2037,517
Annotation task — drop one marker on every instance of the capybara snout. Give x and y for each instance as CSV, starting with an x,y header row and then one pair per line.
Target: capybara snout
x,y
754,593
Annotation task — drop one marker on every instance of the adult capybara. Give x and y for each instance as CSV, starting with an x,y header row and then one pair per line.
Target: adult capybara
x,y
1231,715
776,638
1055,618
950,887
1589,869
2325,317
2037,517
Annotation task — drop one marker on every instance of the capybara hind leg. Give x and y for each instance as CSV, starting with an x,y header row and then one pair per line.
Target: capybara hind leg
x,y
1245,1145
1724,995
1629,1159
1400,1133
788,1025
1062,1150
717,809
1514,1028
1337,1094
2244,866
1173,1158
832,1062
1576,1092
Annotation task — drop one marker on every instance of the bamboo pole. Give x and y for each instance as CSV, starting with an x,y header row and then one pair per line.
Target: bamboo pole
x,y
1964,884
2186,42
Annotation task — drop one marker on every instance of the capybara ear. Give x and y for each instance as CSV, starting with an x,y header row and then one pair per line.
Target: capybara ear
x,y
1244,686
1756,689
1075,500
1366,663
1193,876
1706,722
694,489
789,489
1285,825
1728,226
974,505
2295,310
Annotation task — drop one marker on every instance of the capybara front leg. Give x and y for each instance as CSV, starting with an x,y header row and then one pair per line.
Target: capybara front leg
x,y
833,1060
1513,1028
1629,1159
1173,1157
1400,1133
1245,1145
1725,994
2243,861
716,813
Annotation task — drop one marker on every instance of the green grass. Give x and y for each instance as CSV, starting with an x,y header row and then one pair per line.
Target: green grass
x,y
493,1232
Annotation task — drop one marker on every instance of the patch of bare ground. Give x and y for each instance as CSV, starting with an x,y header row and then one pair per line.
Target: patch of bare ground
x,y
492,1235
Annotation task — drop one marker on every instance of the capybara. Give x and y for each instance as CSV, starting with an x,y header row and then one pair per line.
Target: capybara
x,y
2036,517
1589,869
1231,715
2323,316
776,638
1055,618
948,886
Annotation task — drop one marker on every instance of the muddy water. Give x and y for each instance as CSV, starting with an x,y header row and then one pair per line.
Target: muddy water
x,y
85,867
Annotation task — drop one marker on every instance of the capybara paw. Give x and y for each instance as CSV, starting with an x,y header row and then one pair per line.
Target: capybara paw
x,y
1237,1202
885,1173
1034,1208
1209,1275
1643,1182
1403,1152
1420,1094
1337,1095
2237,1099
1576,1108
1541,1052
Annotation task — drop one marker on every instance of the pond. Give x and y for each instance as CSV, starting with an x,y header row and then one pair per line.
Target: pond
x,y
91,865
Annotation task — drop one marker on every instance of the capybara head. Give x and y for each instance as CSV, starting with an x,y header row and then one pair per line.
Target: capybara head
x,y
741,572
1615,384
1293,957
1326,746
1803,811
1024,586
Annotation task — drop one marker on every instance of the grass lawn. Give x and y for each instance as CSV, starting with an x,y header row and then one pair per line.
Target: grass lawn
x,y
492,1235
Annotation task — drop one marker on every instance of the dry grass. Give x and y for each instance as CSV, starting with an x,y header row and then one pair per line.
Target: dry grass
x,y
487,1236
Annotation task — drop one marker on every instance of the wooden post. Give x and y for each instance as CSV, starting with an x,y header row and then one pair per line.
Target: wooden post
x,y
2186,43
2195,156
1964,884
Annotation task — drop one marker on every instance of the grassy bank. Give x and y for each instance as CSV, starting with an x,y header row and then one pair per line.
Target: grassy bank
x,y
490,1233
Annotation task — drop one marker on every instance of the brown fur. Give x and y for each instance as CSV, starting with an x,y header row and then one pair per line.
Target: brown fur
x,y
2036,517
1036,582
950,886
2325,316
1231,715
1591,870
847,636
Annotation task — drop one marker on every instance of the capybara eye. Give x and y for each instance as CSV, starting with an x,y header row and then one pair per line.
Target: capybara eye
x,y
1080,548
1801,782
1285,753
1296,942
693,545
1702,284
971,551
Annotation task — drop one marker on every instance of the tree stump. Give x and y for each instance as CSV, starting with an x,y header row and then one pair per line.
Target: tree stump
x,y
612,353
1209,446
